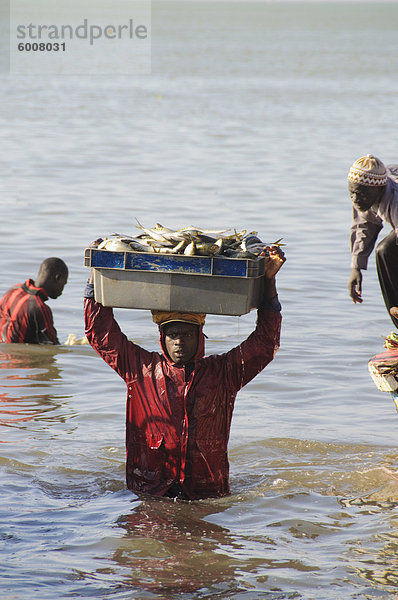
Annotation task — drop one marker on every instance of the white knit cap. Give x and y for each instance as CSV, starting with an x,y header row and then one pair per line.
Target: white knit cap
x,y
368,170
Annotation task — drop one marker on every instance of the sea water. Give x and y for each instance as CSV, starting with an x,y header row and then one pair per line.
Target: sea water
x,y
250,118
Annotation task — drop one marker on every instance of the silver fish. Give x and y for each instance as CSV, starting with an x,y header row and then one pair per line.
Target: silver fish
x,y
190,250
206,249
155,235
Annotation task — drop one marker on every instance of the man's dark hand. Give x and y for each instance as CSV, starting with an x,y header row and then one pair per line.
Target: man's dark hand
x,y
355,285
275,258
274,261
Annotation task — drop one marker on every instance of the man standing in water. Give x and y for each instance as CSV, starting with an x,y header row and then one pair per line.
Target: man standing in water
x,y
373,190
24,316
180,403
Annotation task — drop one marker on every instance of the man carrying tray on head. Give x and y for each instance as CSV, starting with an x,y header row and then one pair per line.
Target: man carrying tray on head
x,y
180,403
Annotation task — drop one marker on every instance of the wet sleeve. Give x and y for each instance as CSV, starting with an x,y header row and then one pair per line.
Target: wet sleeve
x,y
107,339
365,228
243,363
272,304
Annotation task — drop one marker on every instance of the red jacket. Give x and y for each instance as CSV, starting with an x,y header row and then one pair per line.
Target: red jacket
x,y
178,430
24,316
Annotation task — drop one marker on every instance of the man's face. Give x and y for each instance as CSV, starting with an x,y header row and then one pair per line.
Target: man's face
x,y
364,196
181,340
55,289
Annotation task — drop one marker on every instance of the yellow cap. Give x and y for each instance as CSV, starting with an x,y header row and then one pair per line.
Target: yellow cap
x,y
161,317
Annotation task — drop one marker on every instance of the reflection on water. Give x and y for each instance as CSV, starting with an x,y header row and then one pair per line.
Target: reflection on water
x,y
169,548
175,549
28,356
178,549
26,373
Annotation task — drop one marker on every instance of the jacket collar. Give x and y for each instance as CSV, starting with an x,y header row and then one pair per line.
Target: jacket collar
x,y
30,288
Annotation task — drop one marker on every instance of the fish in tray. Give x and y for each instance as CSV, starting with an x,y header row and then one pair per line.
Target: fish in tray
x,y
191,241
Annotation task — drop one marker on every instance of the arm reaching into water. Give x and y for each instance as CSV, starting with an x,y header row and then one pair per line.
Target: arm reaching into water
x,y
365,228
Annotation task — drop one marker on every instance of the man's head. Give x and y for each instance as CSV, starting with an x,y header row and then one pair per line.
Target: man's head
x,y
52,276
180,334
367,180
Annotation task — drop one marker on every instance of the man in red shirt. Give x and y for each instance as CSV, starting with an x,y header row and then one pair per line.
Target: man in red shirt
x,y
24,316
180,403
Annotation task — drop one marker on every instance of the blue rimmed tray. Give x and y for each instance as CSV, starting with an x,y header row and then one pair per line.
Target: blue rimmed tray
x,y
220,266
